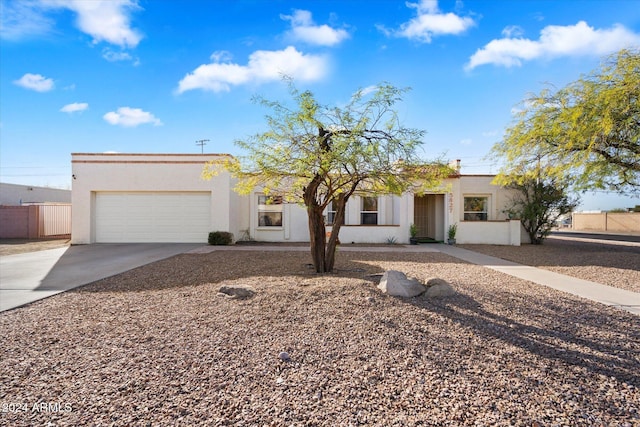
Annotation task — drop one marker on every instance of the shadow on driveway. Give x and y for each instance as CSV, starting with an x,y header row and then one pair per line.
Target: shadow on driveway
x,y
28,277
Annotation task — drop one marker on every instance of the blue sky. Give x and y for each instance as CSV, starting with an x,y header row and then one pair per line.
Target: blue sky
x,y
156,76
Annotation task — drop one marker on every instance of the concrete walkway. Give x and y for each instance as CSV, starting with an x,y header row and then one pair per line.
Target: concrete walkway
x,y
29,277
608,295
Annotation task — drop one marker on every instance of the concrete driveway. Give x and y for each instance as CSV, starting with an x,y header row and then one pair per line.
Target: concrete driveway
x,y
28,277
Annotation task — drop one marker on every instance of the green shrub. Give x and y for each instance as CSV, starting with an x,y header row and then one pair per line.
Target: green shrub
x,y
220,238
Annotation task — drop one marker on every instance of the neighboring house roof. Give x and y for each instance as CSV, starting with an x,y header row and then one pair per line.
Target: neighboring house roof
x,y
16,195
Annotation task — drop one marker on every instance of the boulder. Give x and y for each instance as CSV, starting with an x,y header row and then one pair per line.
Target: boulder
x,y
284,356
237,291
437,287
397,284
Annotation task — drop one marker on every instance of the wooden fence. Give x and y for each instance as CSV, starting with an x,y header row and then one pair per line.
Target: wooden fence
x,y
35,221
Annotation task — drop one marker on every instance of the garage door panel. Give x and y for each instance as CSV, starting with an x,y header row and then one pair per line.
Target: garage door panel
x,y
152,217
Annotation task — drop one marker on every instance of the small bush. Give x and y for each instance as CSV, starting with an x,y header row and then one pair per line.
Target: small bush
x,y
220,238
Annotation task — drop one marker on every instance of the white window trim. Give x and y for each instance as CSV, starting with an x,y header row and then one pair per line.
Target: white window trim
x,y
270,208
487,210
328,211
377,211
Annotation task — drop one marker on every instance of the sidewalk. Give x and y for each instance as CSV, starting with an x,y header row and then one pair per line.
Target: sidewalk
x,y
608,295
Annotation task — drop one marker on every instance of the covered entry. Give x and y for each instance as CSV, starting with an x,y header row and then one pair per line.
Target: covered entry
x,y
137,217
428,216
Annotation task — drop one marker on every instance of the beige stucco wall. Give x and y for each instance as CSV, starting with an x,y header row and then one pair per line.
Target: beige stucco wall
x,y
147,172
497,230
607,221
94,173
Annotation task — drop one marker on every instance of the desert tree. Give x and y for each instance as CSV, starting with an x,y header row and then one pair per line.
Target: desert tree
x,y
588,131
537,199
318,155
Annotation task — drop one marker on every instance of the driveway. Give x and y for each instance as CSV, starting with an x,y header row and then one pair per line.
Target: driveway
x,y
28,277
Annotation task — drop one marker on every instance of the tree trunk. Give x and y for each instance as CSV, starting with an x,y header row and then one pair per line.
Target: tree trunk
x,y
317,237
339,205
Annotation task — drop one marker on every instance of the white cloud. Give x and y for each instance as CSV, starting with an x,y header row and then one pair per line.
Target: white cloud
x,y
74,107
369,89
555,41
131,117
104,20
263,66
430,22
513,31
113,56
221,56
303,29
35,82
466,141
23,19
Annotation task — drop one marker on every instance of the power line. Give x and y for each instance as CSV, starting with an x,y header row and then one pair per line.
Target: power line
x,y
202,143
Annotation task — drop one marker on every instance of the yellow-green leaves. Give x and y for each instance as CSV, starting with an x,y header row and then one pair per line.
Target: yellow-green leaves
x,y
586,134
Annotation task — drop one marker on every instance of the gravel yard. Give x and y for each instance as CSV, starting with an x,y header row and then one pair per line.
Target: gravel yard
x,y
611,264
19,246
158,346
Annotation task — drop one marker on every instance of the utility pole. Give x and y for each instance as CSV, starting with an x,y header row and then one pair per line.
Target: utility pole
x,y
202,143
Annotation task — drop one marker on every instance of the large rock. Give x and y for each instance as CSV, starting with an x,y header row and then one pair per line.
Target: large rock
x,y
437,287
397,284
237,291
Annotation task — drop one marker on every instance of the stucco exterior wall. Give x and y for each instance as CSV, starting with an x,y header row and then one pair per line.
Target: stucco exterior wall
x,y
490,232
116,172
496,230
112,172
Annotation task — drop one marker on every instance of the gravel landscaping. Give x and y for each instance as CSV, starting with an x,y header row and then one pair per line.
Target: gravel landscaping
x,y
159,345
20,246
614,264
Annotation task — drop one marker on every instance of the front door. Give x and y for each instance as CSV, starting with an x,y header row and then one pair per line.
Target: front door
x,y
424,215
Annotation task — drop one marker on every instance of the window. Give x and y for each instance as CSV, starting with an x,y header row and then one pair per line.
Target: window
x,y
330,217
476,208
369,212
270,211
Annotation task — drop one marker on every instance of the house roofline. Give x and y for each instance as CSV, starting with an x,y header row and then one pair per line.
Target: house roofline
x,y
154,154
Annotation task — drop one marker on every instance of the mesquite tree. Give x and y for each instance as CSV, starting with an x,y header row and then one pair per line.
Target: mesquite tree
x,y
538,203
589,131
317,155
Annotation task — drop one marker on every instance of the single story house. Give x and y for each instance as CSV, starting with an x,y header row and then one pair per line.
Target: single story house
x,y
162,198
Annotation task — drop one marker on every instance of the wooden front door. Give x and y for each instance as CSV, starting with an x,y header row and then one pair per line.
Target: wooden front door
x,y
424,215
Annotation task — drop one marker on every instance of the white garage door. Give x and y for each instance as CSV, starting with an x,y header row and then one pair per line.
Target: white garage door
x,y
128,217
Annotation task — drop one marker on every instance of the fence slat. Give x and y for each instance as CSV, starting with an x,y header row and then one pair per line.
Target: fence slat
x,y
55,220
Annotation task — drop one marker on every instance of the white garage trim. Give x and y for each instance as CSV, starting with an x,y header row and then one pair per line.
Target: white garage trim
x,y
137,217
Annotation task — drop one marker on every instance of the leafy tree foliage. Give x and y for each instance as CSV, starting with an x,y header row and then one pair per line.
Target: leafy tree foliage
x,y
589,131
317,155
538,204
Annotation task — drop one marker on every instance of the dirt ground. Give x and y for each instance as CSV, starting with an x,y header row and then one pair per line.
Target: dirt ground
x,y
159,345
20,246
